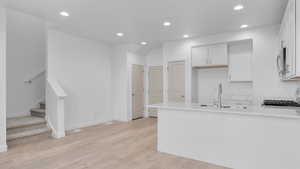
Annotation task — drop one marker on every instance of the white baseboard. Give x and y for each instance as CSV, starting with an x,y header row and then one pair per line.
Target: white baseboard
x,y
121,120
3,148
58,135
87,124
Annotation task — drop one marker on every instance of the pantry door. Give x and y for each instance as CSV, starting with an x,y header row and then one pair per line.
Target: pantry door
x,y
137,91
155,88
176,82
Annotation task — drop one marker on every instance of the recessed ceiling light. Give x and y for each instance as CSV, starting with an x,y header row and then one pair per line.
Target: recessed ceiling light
x,y
186,36
244,26
238,7
64,13
167,23
120,34
144,43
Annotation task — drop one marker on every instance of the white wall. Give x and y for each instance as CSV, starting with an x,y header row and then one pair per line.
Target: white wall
x,y
3,146
82,67
119,98
266,82
26,54
123,57
153,58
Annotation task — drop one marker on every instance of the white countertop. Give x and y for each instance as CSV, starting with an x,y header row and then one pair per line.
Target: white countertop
x,y
250,111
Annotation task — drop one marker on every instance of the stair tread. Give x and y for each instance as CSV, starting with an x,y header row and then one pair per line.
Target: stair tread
x,y
26,128
39,110
42,105
27,133
24,121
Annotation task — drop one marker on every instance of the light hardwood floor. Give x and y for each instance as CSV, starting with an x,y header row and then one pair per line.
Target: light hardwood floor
x,y
121,145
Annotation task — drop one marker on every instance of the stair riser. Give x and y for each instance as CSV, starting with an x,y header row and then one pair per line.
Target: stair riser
x,y
28,136
29,140
42,106
37,114
24,122
26,128
27,125
27,132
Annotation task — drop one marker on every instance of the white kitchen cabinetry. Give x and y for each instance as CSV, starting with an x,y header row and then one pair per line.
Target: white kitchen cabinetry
x,y
240,61
200,56
209,56
290,39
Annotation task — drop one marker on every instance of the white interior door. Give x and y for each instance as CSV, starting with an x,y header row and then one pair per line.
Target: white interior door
x,y
137,91
176,82
155,88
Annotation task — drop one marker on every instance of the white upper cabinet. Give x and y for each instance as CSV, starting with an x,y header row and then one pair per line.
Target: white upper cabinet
x,y
290,39
200,56
287,38
240,61
218,54
211,55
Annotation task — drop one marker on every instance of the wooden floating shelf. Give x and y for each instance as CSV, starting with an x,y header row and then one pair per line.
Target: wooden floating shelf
x,y
211,67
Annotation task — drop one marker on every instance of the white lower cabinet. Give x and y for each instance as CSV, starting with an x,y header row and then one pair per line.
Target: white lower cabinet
x,y
240,61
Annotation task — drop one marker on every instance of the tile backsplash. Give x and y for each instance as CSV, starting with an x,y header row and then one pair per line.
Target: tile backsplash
x,y
206,85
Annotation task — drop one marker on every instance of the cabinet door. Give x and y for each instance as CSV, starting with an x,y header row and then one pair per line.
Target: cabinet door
x,y
240,61
200,56
297,40
218,54
291,57
288,38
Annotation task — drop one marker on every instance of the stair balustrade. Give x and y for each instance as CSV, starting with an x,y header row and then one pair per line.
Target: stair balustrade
x,y
55,113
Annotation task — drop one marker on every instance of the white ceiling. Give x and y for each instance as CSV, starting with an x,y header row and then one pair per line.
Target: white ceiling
x,y
141,20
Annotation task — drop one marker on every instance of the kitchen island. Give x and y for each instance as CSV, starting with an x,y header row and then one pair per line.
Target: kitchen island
x,y
253,138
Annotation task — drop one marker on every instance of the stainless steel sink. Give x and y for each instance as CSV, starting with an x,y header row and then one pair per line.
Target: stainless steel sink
x,y
225,106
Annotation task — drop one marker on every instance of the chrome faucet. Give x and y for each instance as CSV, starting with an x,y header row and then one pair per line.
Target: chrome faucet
x,y
219,103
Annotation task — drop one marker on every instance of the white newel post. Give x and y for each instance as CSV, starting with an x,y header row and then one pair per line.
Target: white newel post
x,y
55,109
61,118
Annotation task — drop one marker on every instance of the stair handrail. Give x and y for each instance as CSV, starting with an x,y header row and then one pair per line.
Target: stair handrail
x,y
59,91
35,76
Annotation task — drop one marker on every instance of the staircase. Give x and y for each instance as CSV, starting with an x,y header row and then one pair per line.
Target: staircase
x,y
24,127
39,112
